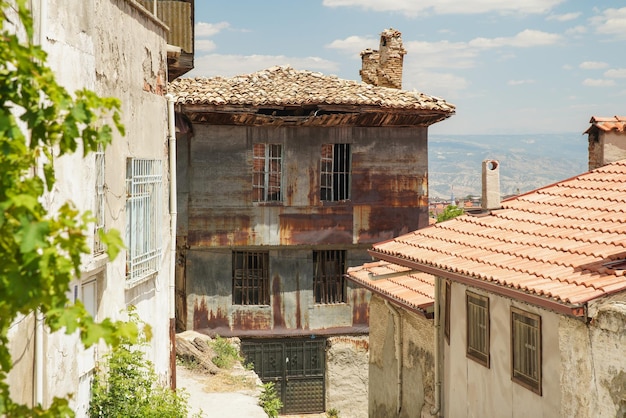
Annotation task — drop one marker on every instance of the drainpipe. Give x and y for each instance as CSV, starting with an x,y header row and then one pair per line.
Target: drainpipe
x,y
437,408
173,220
397,319
39,319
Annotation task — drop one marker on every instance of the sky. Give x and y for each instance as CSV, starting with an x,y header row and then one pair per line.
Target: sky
x,y
510,67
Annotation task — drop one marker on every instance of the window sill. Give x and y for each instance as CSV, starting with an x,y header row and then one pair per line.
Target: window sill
x,y
129,284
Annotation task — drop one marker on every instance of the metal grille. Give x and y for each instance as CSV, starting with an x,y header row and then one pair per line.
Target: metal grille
x,y
251,278
296,366
143,217
328,280
526,345
267,172
335,172
98,246
478,328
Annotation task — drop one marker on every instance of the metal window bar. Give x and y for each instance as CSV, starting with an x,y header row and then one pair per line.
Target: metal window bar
x,y
267,172
478,328
526,350
328,276
335,172
143,217
98,245
251,278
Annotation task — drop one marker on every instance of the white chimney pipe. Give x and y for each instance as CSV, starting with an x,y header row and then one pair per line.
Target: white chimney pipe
x,y
491,185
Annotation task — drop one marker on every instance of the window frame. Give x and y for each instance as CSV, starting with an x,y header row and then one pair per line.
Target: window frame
x,y
477,317
524,377
144,188
329,287
250,285
99,158
264,172
448,301
335,172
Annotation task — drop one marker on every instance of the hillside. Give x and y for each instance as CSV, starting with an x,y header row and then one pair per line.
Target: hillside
x,y
527,162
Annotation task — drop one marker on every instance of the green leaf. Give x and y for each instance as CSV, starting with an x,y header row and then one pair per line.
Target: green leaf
x,y
113,242
34,235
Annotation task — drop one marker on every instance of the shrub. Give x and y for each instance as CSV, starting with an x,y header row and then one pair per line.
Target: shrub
x,y
269,400
225,354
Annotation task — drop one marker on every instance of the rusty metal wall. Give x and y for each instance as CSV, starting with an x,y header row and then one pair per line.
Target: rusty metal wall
x,y
388,198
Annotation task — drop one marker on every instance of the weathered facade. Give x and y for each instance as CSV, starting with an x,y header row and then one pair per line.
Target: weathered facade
x,y
529,304
286,178
116,48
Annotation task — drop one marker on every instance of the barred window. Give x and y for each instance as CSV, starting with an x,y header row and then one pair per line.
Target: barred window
x,y
143,217
526,349
478,328
267,172
98,246
335,172
251,278
328,280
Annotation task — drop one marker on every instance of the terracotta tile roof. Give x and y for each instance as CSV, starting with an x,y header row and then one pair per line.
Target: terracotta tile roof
x,y
551,245
413,290
616,123
283,85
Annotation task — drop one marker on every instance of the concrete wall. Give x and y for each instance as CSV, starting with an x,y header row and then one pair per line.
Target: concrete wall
x,y
116,49
347,380
413,336
606,147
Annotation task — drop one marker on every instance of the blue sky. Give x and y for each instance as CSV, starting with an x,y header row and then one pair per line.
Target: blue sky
x,y
533,66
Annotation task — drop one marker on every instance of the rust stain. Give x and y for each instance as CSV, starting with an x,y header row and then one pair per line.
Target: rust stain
x,y
360,343
360,307
332,225
384,223
277,303
203,318
214,228
250,320
298,308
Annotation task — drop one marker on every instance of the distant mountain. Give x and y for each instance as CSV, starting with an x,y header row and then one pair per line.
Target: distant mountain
x,y
527,162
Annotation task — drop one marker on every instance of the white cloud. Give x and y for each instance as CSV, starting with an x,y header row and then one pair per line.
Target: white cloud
x,y
204,45
520,82
611,22
204,29
564,17
524,39
616,73
211,65
576,30
594,82
567,67
437,84
354,44
422,7
593,65
441,54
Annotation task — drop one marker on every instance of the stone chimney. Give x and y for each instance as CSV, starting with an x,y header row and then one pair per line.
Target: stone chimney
x,y
491,185
607,140
383,67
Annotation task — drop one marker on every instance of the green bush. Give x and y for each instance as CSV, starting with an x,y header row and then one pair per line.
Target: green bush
x,y
332,413
225,354
269,400
126,386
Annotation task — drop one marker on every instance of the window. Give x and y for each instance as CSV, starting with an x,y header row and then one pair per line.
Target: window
x,y
267,172
448,299
98,246
478,328
526,349
251,278
335,180
328,281
143,218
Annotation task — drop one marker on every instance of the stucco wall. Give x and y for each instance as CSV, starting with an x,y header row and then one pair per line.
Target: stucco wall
x,y
114,48
347,360
415,389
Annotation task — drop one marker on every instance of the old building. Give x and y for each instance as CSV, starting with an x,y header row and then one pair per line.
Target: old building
x,y
383,66
528,302
117,48
286,178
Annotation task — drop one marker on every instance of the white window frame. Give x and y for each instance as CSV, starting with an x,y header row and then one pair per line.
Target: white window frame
x,y
335,172
98,245
267,172
144,187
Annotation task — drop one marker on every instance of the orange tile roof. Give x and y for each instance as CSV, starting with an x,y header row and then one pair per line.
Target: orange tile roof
x,y
550,246
616,123
413,290
284,85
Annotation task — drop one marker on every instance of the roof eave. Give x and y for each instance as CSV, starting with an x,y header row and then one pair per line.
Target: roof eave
x,y
575,310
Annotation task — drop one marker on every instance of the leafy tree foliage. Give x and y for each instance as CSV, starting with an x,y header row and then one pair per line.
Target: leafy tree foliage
x,y
451,211
41,251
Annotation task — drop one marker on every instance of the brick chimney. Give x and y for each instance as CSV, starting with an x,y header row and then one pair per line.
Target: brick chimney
x,y
607,140
383,67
